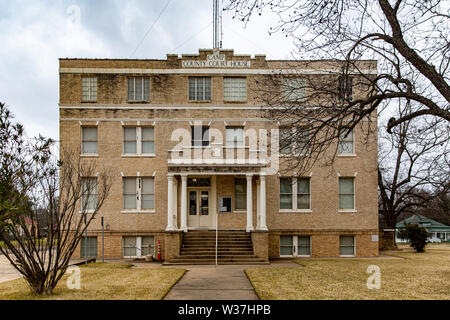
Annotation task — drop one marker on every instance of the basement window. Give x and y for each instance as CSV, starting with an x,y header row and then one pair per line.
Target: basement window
x,y
295,246
138,247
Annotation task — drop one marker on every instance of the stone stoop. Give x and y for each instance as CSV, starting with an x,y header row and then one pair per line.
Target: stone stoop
x,y
199,248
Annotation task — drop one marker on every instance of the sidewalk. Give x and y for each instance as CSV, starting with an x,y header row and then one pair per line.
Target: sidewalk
x,y
226,282
7,271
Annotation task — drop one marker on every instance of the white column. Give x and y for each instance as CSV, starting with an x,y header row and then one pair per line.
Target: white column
x,y
170,203
249,203
184,203
258,205
263,203
175,204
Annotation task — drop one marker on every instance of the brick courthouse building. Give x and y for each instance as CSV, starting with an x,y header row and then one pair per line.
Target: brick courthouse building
x,y
184,139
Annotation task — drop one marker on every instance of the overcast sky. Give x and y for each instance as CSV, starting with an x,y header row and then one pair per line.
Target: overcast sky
x,y
34,34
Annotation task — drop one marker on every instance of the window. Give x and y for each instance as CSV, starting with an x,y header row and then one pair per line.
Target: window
x,y
139,140
285,193
295,246
240,194
235,137
304,245
286,246
199,88
345,89
148,246
294,140
138,89
147,194
346,144
138,194
89,140
346,193
294,89
137,247
285,140
303,193
91,247
295,194
129,247
130,141
89,194
200,136
89,89
347,245
234,89
129,193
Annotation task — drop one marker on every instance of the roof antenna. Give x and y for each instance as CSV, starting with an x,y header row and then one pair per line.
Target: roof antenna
x,y
217,18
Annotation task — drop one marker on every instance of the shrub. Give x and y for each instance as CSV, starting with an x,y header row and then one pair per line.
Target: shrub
x,y
416,235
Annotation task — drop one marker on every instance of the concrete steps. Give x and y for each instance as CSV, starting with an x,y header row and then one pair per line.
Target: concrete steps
x,y
199,248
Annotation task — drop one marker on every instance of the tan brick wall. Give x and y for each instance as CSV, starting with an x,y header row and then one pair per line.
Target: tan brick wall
x,y
326,244
324,220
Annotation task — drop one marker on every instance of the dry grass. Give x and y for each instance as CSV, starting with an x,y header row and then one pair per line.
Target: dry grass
x,y
416,276
104,281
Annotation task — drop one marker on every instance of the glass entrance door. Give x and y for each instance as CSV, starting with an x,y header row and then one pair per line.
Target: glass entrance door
x,y
199,207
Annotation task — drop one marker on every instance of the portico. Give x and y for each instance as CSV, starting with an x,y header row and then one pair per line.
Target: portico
x,y
203,197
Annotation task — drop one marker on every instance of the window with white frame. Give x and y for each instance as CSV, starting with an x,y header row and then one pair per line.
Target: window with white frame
x,y
295,194
137,247
200,136
138,89
89,138
347,245
303,193
235,136
138,194
139,140
285,143
286,193
199,88
89,89
240,194
294,140
294,89
346,193
234,89
346,143
89,194
345,88
295,246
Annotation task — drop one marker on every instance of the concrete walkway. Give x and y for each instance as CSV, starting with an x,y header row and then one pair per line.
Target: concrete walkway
x,y
225,282
7,271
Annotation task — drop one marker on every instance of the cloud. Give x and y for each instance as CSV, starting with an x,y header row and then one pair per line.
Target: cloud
x,y
36,33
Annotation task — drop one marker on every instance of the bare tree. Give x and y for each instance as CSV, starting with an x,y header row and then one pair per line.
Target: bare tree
x,y
69,191
409,39
411,161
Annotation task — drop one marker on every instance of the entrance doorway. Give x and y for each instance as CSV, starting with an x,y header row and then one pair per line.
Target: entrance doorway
x,y
199,208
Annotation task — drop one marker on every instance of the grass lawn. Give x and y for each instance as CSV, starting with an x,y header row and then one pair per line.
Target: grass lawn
x,y
416,276
104,281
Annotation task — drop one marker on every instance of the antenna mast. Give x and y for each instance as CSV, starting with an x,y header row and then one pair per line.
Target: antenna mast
x,y
217,18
